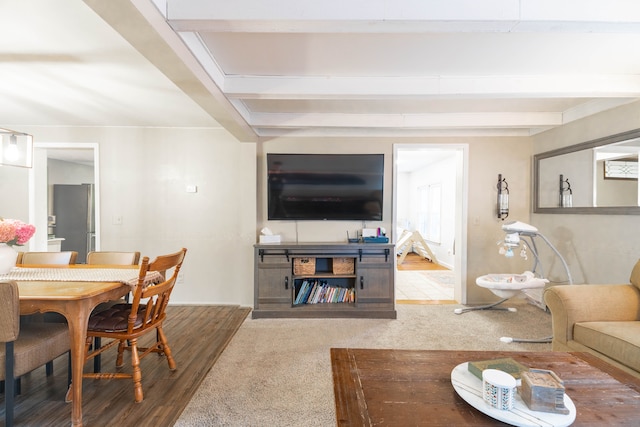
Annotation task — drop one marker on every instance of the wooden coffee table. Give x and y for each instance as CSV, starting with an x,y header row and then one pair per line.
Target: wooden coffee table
x,y
413,387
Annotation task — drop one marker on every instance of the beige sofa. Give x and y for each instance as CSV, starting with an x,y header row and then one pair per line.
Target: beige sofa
x,y
603,320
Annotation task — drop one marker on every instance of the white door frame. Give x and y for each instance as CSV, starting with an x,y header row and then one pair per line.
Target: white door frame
x,y
38,186
462,185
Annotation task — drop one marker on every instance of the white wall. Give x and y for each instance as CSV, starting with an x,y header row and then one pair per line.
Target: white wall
x,y
403,198
598,248
143,177
61,172
510,157
14,193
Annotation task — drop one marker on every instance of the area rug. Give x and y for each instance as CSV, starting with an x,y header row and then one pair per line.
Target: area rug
x,y
444,278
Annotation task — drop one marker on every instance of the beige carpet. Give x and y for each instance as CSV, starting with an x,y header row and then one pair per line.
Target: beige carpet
x,y
277,372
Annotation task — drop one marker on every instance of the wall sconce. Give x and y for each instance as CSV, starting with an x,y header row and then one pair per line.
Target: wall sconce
x,y
16,148
503,198
566,195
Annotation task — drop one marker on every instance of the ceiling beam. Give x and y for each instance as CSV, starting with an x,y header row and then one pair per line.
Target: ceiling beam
x,y
398,121
587,86
593,107
269,133
403,15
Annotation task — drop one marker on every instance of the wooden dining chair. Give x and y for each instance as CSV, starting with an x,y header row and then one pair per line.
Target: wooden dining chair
x,y
125,323
26,347
113,258
47,258
110,258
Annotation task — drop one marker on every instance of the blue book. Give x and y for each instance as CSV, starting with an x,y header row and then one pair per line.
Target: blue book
x,y
301,292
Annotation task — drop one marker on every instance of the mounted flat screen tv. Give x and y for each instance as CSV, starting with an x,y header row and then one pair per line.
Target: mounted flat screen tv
x,y
325,186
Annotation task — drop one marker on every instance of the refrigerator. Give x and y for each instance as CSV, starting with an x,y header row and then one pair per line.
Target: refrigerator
x,y
74,210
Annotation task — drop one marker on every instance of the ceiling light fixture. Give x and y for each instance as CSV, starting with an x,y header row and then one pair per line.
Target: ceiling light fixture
x,y
16,148
12,150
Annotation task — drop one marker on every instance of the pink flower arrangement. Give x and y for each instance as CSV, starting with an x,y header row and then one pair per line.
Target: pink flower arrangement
x,y
14,232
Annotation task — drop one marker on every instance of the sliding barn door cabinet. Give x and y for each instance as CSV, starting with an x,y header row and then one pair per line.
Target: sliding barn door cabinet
x,y
324,280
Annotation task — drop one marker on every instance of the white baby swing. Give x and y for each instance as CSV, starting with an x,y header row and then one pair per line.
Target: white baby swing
x,y
531,283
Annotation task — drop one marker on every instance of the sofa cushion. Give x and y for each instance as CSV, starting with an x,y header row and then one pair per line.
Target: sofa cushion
x,y
635,275
618,340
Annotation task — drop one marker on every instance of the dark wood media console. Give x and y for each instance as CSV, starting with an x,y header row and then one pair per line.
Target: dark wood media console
x,y
365,289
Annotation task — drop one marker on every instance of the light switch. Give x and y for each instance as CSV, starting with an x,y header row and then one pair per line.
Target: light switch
x,y
192,188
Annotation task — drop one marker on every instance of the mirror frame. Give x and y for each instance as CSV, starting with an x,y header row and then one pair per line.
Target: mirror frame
x,y
602,210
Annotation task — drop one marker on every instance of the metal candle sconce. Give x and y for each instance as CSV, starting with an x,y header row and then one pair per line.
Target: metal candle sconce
x,y
503,198
566,195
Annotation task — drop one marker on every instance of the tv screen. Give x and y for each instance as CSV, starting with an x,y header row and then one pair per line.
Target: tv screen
x,y
325,186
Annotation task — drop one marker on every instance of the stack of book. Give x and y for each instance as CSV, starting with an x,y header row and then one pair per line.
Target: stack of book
x,y
317,292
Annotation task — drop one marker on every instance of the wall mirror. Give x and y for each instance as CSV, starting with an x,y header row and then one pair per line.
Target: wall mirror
x,y
594,177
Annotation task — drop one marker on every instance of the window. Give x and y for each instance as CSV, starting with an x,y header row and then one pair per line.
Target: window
x,y
429,211
621,169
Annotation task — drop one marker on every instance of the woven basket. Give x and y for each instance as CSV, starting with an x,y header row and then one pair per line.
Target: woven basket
x,y
343,266
304,266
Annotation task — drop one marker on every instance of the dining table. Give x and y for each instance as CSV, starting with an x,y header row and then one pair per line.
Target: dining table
x,y
73,291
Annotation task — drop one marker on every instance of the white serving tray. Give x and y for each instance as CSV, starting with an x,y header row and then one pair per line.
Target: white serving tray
x,y
469,387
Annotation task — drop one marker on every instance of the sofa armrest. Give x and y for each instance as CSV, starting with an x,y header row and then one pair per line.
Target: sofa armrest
x,y
571,304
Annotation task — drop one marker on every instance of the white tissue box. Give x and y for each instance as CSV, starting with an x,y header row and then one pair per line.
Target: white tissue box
x,y
369,232
272,238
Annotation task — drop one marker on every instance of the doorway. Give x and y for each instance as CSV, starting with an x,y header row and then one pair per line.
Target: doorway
x,y
430,187
60,163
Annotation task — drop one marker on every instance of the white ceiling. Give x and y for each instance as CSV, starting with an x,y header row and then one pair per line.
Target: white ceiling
x,y
330,68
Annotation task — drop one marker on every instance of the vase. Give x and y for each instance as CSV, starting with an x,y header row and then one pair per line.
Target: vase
x,y
8,257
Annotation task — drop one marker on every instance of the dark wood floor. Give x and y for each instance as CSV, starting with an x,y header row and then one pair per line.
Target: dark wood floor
x,y
197,335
